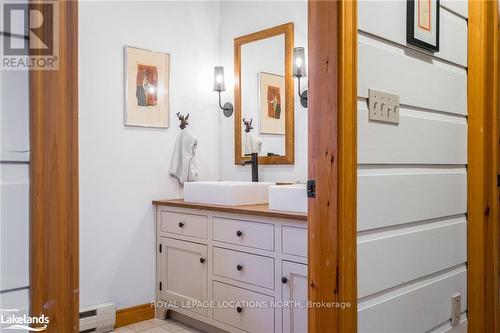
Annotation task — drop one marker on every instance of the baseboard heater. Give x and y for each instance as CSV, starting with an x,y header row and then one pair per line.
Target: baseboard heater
x,y
98,319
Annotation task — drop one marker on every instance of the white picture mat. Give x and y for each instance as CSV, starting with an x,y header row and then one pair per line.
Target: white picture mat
x,y
426,36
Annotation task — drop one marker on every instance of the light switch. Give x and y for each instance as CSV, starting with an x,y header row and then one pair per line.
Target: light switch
x,y
383,106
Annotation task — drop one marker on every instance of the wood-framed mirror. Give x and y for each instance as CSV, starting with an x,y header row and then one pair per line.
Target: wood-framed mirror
x,y
264,95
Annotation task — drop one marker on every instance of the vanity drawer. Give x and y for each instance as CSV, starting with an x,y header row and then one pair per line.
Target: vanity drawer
x,y
246,233
255,319
294,241
184,224
245,267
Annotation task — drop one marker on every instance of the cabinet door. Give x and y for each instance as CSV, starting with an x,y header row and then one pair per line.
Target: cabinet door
x,y
184,275
294,292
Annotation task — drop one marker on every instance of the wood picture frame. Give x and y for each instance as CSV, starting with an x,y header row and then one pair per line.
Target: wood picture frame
x,y
289,158
422,24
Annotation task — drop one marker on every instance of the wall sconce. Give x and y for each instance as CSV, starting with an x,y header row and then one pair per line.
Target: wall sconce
x,y
299,71
220,86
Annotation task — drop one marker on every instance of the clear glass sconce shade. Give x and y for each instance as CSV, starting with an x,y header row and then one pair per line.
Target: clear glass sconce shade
x,y
219,84
299,62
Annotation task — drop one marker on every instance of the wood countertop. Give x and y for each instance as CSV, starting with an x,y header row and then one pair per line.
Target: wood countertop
x,y
258,210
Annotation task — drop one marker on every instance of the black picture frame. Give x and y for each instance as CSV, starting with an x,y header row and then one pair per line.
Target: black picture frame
x,y
410,24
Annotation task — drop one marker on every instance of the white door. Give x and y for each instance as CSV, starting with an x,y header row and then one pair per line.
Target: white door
x,y
184,276
294,283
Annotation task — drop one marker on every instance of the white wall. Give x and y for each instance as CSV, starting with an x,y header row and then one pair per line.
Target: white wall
x,y
412,177
122,169
240,18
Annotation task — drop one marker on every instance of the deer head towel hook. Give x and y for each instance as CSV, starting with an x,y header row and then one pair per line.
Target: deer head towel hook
x,y
184,120
248,125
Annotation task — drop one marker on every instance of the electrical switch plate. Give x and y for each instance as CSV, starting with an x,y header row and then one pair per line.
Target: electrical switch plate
x,y
383,106
456,305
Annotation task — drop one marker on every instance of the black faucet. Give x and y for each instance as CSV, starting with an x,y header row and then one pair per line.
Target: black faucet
x,y
255,166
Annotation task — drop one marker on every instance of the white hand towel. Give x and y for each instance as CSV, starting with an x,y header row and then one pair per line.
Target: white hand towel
x,y
251,144
183,164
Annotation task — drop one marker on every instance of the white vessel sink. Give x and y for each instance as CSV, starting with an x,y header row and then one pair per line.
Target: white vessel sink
x,y
291,198
228,193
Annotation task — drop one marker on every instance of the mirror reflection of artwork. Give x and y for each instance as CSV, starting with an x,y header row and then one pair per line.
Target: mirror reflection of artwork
x,y
272,110
147,85
273,102
146,88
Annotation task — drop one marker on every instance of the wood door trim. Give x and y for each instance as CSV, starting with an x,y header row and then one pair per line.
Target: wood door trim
x,y
54,257
134,314
332,113
482,191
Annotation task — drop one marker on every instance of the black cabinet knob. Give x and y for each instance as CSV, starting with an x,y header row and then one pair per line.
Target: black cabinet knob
x,y
239,267
181,224
239,233
202,260
284,279
239,309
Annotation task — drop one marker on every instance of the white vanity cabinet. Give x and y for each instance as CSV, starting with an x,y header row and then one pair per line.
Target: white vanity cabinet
x,y
183,271
231,268
294,292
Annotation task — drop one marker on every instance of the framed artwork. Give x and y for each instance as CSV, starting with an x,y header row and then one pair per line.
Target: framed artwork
x,y
146,88
422,24
272,103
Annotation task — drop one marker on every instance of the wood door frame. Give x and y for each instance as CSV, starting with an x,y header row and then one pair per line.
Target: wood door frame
x,y
482,168
332,161
483,247
54,242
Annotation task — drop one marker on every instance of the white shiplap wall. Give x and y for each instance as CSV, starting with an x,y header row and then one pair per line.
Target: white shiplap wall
x,y
412,177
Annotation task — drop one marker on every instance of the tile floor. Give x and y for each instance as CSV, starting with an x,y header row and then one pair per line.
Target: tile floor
x,y
157,326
